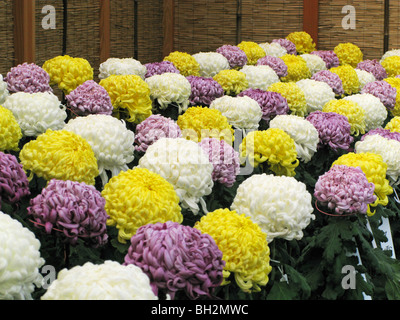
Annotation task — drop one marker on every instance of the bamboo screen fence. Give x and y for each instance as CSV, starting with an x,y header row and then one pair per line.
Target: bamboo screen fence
x,y
149,29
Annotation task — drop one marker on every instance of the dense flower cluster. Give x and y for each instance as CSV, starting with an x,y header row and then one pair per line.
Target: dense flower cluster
x,y
395,83
232,81
287,44
297,68
4,93
332,79
392,66
121,66
348,54
382,90
314,63
244,247
394,124
186,259
204,90
73,208
295,97
273,49
138,197
349,77
184,62
317,93
237,58
329,56
28,77
277,64
364,77
211,63
374,67
303,42
252,50
260,77
10,131
384,133
155,68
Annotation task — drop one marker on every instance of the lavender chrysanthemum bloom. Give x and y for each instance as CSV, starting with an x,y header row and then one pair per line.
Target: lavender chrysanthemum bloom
x,y
288,45
154,128
345,189
14,183
332,79
89,98
374,67
329,56
271,103
334,129
76,209
237,57
204,90
382,90
277,64
386,133
177,258
29,78
224,158
157,68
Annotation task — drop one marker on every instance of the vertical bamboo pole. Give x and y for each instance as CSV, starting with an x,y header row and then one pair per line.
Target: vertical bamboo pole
x,y
310,18
24,31
105,30
168,26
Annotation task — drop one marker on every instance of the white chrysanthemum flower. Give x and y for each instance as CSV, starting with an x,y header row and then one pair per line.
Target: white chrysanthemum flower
x,y
20,260
36,112
389,149
390,53
314,63
304,134
170,89
273,49
260,77
280,205
4,93
108,281
111,141
242,112
122,66
211,63
364,77
185,165
375,111
317,93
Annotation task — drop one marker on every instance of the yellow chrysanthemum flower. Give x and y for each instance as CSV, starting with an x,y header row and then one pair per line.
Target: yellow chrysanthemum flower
x,y
392,65
198,123
395,83
129,92
297,68
60,155
293,94
253,51
68,72
350,109
348,54
185,63
375,169
394,124
349,77
243,245
232,81
10,131
273,146
303,42
138,197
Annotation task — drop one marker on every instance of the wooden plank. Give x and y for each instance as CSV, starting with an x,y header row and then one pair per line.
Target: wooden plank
x,y
105,30
168,26
24,31
310,18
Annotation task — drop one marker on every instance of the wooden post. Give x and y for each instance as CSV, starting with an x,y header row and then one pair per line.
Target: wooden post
x,y
310,18
24,31
168,26
105,30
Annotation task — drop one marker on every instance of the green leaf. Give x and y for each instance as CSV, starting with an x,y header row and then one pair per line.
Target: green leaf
x,y
281,291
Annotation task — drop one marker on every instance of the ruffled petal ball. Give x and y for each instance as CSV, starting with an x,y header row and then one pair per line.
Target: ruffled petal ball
x,y
204,90
138,197
391,65
364,77
177,259
252,50
332,79
314,62
395,83
349,77
303,42
297,68
20,260
156,68
121,66
382,90
260,77
287,44
348,54
232,81
374,67
76,210
28,77
329,56
4,93
237,58
10,131
394,124
281,206
277,64
185,63
317,93
211,63
394,135
273,49
294,95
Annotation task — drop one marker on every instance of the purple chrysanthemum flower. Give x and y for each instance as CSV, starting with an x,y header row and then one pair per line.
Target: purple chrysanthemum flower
x,y
386,133
271,103
345,189
329,56
157,68
374,67
288,45
224,158
382,90
14,183
29,78
154,128
332,79
74,208
334,129
204,90
177,258
89,98
277,64
237,58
